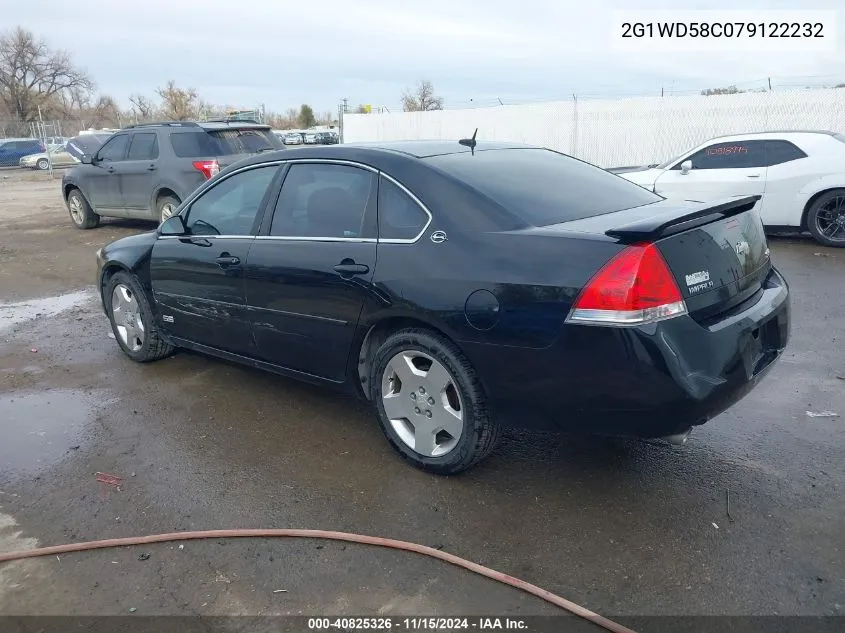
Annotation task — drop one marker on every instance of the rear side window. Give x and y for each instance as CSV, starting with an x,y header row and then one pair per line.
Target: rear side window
x,y
205,143
778,152
543,187
732,155
399,216
320,200
143,147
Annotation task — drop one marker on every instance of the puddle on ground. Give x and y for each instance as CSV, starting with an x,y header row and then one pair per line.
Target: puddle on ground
x,y
40,428
12,314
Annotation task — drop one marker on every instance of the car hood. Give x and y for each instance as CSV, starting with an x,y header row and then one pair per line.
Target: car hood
x,y
645,178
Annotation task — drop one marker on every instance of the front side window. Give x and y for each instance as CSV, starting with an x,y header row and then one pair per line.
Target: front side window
x,y
323,200
231,206
114,149
399,216
732,155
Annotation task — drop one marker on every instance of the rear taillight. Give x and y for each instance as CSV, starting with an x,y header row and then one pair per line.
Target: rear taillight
x,y
208,167
633,288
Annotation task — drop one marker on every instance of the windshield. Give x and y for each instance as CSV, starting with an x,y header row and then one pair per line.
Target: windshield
x,y
544,187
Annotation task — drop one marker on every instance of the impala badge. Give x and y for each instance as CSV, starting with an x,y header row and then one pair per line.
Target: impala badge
x,y
698,278
438,237
696,282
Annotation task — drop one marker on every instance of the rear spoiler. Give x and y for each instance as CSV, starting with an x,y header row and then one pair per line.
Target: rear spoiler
x,y
659,226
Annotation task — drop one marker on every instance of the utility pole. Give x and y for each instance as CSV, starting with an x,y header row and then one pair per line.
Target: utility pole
x,y
345,104
770,83
47,149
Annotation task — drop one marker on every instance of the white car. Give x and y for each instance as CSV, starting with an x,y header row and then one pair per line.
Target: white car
x,y
800,176
293,139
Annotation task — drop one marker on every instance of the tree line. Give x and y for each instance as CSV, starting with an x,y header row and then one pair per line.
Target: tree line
x,y
37,80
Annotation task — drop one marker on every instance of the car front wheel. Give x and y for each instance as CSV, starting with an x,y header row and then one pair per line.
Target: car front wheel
x,y
132,319
430,403
826,218
81,214
42,164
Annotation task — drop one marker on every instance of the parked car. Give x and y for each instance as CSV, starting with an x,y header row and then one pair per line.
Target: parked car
x,y
800,176
461,289
310,138
58,156
13,149
326,138
293,138
145,171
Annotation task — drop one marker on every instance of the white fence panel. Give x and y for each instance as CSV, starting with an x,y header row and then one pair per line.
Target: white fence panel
x,y
614,132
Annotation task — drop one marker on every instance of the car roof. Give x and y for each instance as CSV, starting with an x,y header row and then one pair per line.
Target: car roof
x,y
768,134
425,149
379,155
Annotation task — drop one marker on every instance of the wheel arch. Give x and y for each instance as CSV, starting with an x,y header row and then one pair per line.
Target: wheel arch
x,y
161,192
376,334
812,201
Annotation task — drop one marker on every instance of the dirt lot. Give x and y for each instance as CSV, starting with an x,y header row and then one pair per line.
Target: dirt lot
x,y
622,527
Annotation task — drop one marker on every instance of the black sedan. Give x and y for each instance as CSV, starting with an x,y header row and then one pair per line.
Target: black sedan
x,y
461,288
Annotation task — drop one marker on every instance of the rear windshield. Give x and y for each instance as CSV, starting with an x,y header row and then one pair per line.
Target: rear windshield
x,y
543,187
222,142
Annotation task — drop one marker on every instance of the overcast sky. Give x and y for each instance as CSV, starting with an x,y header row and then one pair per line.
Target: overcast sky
x,y
283,53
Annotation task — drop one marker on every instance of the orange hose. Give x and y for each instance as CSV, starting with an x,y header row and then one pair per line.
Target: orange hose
x,y
534,590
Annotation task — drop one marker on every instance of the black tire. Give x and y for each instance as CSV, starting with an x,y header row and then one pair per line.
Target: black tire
x,y
85,218
42,164
813,218
163,203
480,432
154,347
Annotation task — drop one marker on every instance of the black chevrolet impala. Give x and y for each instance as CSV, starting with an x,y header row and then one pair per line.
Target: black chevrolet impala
x,y
460,288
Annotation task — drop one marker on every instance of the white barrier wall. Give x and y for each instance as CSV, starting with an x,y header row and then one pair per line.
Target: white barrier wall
x,y
612,133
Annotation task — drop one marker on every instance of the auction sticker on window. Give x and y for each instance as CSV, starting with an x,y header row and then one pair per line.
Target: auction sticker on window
x,y
720,31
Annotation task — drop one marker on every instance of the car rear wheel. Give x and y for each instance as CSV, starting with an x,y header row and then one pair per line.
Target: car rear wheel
x,y
132,319
430,403
826,218
42,164
166,207
81,214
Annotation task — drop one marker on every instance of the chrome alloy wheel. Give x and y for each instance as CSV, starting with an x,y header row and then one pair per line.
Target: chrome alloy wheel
x,y
167,210
127,317
423,403
76,212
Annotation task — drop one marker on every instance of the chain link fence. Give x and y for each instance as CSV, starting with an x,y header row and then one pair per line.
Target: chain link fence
x,y
614,133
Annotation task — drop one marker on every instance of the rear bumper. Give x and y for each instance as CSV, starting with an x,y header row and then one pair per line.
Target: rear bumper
x,y
649,381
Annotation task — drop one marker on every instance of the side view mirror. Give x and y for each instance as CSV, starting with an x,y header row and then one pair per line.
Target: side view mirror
x,y
686,166
174,225
86,159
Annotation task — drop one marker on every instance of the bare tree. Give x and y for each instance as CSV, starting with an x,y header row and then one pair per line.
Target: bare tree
x,y
179,104
33,75
422,99
143,107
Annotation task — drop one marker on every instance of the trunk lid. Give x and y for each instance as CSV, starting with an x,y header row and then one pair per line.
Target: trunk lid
x,y
716,251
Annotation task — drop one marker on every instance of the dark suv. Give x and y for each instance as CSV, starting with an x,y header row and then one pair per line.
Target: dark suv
x,y
13,149
145,171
